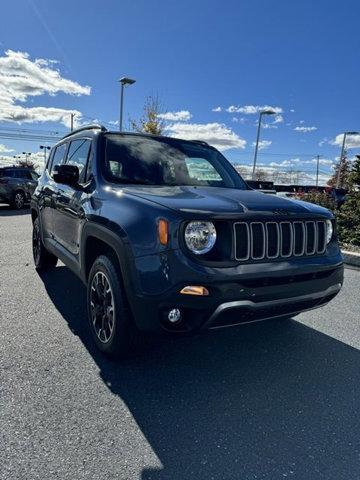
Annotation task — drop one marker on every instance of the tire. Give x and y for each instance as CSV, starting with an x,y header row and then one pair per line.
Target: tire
x,y
43,259
110,320
18,200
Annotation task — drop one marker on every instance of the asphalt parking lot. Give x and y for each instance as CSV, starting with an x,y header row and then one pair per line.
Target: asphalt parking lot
x,y
271,400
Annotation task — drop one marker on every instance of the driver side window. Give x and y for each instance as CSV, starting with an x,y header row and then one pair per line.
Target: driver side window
x,y
58,157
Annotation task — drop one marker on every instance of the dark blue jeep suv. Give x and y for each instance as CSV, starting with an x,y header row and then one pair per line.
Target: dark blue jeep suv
x,y
168,237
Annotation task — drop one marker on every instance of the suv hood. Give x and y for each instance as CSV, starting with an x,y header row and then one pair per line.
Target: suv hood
x,y
222,201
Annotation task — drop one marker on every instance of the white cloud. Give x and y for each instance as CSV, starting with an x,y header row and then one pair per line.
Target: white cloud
x,y
181,116
323,141
216,109
352,141
241,120
36,157
4,149
22,78
305,129
216,134
292,110
278,119
253,109
298,162
263,144
280,174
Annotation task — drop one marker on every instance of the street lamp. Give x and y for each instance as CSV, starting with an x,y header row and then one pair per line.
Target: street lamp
x,y
264,112
26,157
124,81
44,147
342,155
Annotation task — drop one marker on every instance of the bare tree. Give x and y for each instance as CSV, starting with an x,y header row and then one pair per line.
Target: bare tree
x,y
25,163
260,175
150,122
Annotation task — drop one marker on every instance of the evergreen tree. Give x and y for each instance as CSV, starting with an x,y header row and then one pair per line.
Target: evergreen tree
x,y
355,172
344,165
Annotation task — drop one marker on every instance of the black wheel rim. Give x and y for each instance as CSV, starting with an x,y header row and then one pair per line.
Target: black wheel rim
x,y
102,307
36,243
19,200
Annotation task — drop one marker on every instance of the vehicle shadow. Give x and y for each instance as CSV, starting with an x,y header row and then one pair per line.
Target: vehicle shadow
x,y
7,211
268,400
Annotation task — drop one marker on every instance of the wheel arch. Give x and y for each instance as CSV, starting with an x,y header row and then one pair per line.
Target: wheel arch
x,y
98,240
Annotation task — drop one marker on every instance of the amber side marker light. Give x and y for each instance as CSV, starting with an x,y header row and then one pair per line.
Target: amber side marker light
x,y
163,232
194,290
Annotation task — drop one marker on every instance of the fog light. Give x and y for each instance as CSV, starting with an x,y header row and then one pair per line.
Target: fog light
x,y
194,290
174,315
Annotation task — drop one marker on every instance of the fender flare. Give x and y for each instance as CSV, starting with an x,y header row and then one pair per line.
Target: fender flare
x,y
115,239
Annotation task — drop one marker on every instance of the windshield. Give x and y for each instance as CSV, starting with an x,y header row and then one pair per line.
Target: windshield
x,y
153,161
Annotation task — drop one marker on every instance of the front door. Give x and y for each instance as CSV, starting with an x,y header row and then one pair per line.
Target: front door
x,y
48,191
71,203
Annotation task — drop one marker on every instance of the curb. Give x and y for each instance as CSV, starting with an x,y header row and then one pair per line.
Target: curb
x,y
351,258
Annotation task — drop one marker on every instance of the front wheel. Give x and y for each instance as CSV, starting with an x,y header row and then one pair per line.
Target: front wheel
x,y
110,319
43,259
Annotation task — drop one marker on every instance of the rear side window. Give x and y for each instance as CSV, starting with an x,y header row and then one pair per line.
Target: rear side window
x,y
25,174
7,173
58,157
78,154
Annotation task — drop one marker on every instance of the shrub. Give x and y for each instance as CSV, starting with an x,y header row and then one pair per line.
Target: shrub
x,y
348,220
348,216
320,198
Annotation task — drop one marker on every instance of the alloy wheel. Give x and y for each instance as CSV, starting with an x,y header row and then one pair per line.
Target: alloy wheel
x,y
19,200
36,244
102,306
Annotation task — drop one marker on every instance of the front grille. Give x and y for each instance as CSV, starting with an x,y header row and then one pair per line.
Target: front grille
x,y
260,240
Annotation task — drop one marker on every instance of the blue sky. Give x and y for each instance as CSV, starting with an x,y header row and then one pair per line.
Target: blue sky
x,y
301,57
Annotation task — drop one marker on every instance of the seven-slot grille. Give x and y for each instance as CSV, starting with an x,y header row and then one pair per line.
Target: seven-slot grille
x,y
259,240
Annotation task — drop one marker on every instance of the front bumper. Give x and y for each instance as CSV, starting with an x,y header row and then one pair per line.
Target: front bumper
x,y
237,295
245,311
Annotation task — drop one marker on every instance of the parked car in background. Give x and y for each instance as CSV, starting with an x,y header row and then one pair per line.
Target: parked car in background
x,y
169,238
17,184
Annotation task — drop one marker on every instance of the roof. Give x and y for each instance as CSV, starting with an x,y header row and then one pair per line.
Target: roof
x,y
95,128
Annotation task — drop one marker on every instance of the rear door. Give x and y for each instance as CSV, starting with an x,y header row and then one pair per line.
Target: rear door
x,y
69,214
6,182
31,179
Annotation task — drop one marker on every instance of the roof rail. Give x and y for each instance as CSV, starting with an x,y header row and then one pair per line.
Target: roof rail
x,y
200,142
86,127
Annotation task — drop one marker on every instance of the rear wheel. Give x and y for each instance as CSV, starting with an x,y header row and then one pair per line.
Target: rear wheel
x,y
18,200
43,259
110,319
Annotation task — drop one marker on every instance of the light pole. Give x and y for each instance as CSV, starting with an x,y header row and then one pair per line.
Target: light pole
x,y
264,112
317,170
342,156
124,81
26,157
44,147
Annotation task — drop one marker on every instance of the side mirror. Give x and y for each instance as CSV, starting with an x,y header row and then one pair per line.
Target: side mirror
x,y
66,174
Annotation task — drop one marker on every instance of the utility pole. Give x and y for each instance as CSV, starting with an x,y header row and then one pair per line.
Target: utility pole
x,y
72,121
317,170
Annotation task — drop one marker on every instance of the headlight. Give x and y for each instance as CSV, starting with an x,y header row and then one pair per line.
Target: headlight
x,y
200,237
329,231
